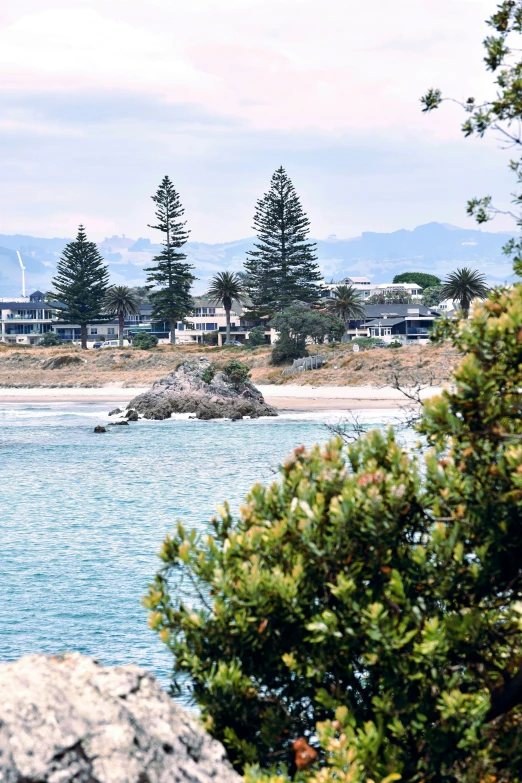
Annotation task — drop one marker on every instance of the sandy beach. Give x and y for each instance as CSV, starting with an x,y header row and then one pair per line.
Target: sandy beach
x,y
303,398
288,397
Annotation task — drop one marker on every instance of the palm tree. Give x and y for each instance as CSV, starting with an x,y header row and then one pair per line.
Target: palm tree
x,y
463,286
346,303
226,288
121,300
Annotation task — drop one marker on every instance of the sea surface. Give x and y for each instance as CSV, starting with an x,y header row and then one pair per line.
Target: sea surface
x,y
82,516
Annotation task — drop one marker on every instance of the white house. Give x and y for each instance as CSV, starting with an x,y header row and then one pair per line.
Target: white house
x,y
366,289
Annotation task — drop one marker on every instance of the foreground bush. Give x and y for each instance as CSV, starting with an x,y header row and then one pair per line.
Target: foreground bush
x,y
354,583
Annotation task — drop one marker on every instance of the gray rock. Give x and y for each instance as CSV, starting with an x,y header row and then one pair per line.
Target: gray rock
x,y
132,415
99,428
115,411
66,719
120,423
184,391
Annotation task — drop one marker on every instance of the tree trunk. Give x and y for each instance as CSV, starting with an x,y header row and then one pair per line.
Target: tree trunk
x,y
227,338
121,323
173,332
83,332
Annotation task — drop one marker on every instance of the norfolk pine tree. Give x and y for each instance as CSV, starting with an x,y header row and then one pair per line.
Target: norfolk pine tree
x,y
283,267
80,284
171,278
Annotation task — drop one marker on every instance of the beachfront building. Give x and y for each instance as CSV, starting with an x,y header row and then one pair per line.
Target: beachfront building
x,y
206,319
406,324
25,320
366,289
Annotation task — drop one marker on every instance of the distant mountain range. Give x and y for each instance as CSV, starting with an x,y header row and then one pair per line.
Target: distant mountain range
x,y
434,247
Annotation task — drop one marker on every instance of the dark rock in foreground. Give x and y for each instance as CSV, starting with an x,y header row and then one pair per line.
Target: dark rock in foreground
x,y
115,411
121,423
99,428
66,719
185,391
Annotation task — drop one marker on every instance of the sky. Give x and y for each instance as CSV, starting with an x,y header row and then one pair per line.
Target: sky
x,y
101,98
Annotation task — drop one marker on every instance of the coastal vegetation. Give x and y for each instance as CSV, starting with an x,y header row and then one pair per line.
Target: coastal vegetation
x,y
225,289
283,268
423,279
346,303
81,284
120,300
170,279
145,341
298,323
463,286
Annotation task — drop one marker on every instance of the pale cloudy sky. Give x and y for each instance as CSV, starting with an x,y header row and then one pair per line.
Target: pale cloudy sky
x,y
101,98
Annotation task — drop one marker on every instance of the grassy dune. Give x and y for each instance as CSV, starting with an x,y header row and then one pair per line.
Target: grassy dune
x,y
129,367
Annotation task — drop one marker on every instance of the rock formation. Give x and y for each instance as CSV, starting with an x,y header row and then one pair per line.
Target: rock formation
x,y
66,719
186,391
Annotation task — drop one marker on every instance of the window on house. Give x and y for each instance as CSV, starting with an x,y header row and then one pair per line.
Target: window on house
x,y
110,330
94,330
210,327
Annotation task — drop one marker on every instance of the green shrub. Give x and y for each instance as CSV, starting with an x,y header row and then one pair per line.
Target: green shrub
x,y
422,279
208,373
256,336
236,372
395,344
49,339
364,582
287,348
145,341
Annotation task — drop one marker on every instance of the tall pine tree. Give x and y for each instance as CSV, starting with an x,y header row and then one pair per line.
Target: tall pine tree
x,y
283,267
171,278
80,284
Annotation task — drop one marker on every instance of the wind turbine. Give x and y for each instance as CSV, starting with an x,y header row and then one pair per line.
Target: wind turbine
x,y
22,267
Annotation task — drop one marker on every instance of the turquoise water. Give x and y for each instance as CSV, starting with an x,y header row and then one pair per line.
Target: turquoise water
x,y
82,516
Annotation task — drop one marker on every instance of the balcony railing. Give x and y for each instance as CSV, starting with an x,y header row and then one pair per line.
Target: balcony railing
x,y
415,330
13,317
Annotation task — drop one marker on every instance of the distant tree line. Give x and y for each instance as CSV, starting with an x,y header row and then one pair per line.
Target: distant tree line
x,y
279,287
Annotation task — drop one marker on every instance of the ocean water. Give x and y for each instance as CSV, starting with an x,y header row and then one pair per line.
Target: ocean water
x,y
82,516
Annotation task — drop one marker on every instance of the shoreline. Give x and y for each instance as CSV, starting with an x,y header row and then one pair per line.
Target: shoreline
x,y
284,398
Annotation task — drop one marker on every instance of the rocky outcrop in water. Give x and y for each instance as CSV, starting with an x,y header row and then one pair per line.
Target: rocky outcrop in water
x,y
66,719
186,391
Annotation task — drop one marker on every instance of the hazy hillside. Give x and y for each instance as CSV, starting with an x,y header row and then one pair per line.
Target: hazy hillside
x,y
434,247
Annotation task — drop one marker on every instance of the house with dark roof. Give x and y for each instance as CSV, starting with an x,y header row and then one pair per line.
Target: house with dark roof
x,y
405,323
